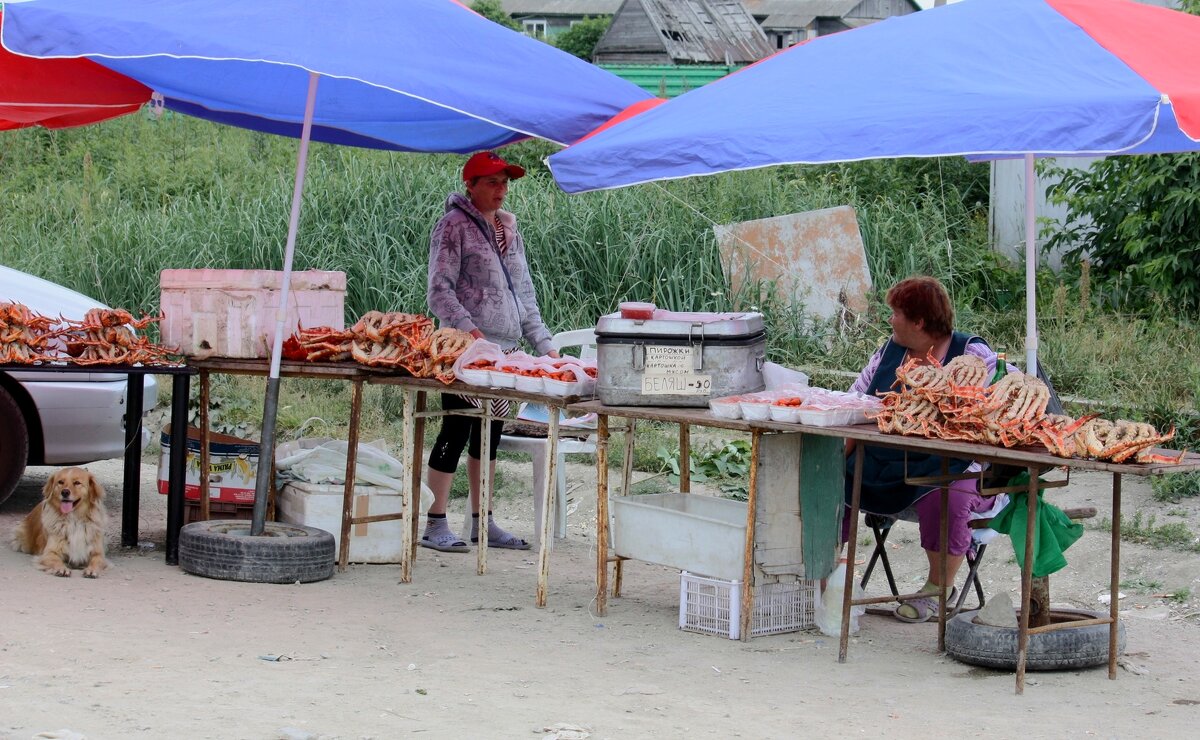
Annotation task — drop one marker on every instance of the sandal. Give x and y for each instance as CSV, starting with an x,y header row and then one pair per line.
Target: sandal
x,y
506,541
925,606
445,541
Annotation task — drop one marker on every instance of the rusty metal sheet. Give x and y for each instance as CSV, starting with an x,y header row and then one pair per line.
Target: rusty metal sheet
x,y
814,257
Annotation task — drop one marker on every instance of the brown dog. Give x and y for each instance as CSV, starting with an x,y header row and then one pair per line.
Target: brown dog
x,y
66,530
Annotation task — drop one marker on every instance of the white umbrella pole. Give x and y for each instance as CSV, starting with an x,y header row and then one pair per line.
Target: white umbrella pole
x,y
1031,335
266,453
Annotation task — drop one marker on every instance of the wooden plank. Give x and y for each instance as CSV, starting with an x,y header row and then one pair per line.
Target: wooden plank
x,y
777,550
1022,456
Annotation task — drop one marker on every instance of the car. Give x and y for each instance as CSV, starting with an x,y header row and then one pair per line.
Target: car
x,y
59,418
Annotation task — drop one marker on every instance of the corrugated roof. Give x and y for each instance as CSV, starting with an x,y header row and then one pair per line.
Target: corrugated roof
x,y
560,7
788,20
689,31
816,8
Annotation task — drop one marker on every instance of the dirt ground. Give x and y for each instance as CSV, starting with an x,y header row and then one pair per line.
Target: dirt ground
x,y
149,651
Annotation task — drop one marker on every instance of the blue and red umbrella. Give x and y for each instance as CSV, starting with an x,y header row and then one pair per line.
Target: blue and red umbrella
x,y
59,93
980,78
415,75
984,79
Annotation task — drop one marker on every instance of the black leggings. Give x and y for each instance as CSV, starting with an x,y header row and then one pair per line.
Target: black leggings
x,y
455,433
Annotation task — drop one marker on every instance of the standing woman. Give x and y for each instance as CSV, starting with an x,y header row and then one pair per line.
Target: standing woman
x,y
479,283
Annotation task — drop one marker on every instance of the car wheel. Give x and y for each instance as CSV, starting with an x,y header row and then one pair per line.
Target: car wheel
x,y
996,647
283,553
14,444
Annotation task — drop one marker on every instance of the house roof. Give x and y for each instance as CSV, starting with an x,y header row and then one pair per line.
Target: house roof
x,y
698,31
799,13
560,7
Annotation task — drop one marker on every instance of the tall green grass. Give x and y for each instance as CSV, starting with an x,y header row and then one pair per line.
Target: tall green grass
x,y
103,209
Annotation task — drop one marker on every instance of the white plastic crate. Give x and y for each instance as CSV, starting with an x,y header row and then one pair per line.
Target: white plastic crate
x,y
713,606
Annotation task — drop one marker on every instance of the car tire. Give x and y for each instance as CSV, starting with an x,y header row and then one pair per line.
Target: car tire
x,y
14,444
283,553
1065,649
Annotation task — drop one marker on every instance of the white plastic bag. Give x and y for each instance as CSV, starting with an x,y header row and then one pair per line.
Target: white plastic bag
x,y
480,349
828,615
777,376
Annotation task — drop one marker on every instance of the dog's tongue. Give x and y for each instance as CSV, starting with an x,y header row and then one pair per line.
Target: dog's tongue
x,y
66,506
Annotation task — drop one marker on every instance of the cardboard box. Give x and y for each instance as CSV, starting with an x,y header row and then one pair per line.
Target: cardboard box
x,y
233,466
231,313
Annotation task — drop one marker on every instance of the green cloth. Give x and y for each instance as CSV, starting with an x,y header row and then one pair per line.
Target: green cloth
x,y
1053,532
822,502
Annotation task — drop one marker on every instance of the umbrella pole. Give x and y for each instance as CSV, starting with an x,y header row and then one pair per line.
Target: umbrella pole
x,y
1031,335
266,455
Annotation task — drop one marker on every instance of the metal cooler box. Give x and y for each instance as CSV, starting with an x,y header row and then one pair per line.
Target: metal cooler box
x,y
678,359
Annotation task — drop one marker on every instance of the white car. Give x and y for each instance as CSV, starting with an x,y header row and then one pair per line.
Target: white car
x,y
59,418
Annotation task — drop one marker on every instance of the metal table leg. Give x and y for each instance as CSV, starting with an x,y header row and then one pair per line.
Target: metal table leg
x,y
176,465
848,587
131,488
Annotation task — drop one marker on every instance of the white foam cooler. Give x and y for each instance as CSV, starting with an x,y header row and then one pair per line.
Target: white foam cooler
x,y
678,359
320,506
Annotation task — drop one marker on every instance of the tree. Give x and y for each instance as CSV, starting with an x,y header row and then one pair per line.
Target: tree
x,y
581,38
1136,220
494,11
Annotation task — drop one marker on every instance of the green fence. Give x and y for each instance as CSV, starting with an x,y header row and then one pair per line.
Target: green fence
x,y
668,80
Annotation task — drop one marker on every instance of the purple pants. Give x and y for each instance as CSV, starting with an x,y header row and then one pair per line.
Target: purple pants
x,y
964,500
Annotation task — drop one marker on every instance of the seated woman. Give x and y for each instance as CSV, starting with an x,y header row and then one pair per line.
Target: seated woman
x,y
922,323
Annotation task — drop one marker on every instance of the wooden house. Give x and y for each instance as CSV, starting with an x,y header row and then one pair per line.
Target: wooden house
x,y
545,19
682,32
790,22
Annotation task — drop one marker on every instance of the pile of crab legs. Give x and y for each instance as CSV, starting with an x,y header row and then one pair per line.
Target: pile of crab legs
x,y
380,339
103,337
23,334
954,402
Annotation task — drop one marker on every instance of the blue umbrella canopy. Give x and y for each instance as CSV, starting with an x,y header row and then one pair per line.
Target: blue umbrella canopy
x,y
409,75
416,75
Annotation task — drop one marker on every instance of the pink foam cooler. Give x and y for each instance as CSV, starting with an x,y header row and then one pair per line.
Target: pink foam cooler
x,y
231,313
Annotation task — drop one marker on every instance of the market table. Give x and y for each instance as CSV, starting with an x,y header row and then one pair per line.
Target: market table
x,y
1033,460
414,413
131,487
348,371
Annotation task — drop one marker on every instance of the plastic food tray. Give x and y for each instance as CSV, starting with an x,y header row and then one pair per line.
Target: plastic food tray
x,y
788,414
725,409
832,417
760,411
553,387
529,384
501,379
476,377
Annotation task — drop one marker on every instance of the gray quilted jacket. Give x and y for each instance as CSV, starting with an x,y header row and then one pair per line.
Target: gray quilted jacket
x,y
467,287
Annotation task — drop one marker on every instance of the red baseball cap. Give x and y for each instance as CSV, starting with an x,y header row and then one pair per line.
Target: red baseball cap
x,y
489,163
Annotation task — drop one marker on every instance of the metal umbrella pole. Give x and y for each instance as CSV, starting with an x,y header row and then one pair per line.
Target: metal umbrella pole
x,y
266,453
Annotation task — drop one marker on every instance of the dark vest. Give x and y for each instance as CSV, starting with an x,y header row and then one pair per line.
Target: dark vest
x,y
883,488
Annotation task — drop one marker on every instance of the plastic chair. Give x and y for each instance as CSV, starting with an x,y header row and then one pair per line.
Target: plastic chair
x,y
537,447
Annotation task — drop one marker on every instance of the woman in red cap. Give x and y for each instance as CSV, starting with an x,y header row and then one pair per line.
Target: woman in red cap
x,y
478,282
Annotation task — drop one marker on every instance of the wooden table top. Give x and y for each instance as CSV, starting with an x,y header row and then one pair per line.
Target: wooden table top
x,y
869,433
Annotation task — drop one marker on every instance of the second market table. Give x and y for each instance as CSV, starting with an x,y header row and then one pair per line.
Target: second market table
x,y
1034,461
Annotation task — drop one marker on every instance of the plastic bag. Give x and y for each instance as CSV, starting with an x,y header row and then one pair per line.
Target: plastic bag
x,y
776,376
324,462
828,614
480,349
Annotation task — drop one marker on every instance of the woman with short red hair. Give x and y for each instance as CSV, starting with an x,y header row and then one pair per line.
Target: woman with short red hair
x,y
922,323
